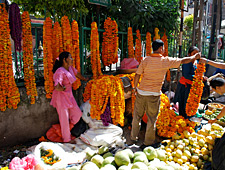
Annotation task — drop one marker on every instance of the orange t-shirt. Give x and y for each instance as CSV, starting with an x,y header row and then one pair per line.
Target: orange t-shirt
x,y
154,68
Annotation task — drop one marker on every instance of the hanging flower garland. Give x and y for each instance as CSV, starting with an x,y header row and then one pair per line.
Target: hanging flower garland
x,y
168,124
95,57
57,41
48,57
157,36
104,89
195,91
9,93
76,49
164,39
16,30
66,36
148,44
115,42
110,42
29,75
138,47
130,43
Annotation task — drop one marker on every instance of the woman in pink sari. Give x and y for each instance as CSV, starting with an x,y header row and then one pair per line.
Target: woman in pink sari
x,y
62,98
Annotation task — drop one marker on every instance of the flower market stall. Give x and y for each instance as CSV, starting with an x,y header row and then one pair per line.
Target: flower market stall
x,y
184,144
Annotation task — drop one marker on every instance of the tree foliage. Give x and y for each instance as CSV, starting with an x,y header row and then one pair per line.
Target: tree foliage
x,y
144,15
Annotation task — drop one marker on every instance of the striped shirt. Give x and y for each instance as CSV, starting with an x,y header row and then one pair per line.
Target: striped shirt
x,y
154,68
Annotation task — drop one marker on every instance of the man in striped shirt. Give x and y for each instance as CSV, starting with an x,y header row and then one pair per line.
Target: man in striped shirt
x,y
153,68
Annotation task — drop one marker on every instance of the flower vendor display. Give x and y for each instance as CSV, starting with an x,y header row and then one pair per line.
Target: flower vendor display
x,y
130,43
157,36
76,51
148,44
110,42
9,93
138,48
196,90
95,56
164,39
29,75
27,163
57,41
15,25
48,57
168,124
107,88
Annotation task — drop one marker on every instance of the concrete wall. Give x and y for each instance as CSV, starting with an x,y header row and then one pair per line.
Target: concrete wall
x,y
27,121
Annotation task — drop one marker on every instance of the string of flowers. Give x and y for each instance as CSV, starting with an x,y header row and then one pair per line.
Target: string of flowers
x,y
110,42
9,93
168,124
130,43
148,44
66,36
57,41
157,36
115,41
76,49
15,25
195,91
48,57
138,47
29,75
164,39
95,57
87,91
49,157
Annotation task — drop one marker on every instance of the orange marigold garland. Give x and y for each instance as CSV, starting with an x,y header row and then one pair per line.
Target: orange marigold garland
x,y
29,75
57,41
76,50
66,36
48,57
9,92
195,91
168,124
148,44
157,36
164,39
130,43
95,57
110,42
138,47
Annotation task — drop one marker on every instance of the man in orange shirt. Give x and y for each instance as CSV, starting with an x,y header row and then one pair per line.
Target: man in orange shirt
x,y
153,68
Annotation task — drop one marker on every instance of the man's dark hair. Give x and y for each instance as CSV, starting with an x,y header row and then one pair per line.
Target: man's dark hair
x,y
217,82
156,44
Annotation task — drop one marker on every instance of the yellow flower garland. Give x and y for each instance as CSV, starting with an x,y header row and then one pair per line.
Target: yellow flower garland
x,y
195,91
48,57
110,42
95,57
138,48
168,124
9,93
148,44
130,43
76,49
29,76
57,41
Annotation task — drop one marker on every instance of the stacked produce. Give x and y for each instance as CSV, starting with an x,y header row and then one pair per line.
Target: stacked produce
x,y
189,153
209,115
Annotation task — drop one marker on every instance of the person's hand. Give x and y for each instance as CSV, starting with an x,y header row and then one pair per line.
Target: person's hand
x,y
203,60
86,78
197,56
134,90
205,78
212,121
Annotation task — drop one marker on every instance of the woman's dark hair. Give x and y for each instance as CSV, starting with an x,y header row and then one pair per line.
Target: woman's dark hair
x,y
191,49
59,61
156,44
217,82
